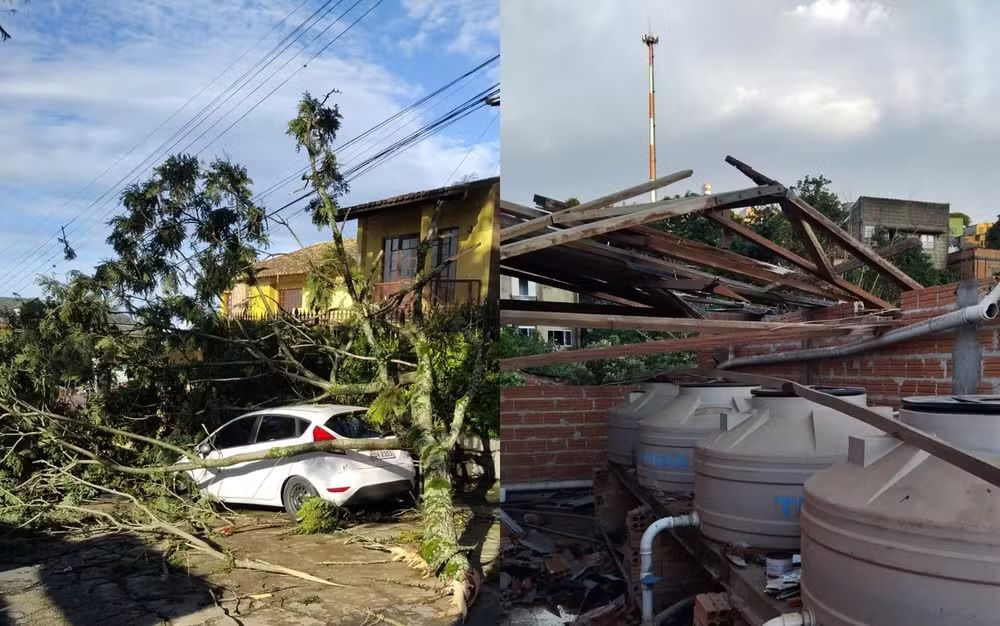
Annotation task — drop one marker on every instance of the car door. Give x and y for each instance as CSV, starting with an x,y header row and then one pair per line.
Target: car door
x,y
231,439
260,481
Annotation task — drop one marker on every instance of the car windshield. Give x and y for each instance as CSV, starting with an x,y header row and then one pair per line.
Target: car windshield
x,y
352,425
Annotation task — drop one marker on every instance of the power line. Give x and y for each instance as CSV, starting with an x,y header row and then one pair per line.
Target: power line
x,y
107,202
472,147
163,123
156,151
462,109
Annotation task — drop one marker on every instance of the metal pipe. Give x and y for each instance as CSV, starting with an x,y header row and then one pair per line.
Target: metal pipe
x,y
646,577
805,618
985,310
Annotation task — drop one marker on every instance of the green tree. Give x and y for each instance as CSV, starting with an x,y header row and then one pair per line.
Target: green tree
x,y
993,235
914,262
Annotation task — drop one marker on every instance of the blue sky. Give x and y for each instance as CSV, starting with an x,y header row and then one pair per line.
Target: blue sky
x,y
83,82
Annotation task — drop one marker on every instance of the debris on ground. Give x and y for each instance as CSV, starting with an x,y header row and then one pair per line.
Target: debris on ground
x,y
560,567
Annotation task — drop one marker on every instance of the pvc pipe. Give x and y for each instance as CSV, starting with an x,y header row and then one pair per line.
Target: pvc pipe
x,y
545,485
646,577
986,309
805,618
674,610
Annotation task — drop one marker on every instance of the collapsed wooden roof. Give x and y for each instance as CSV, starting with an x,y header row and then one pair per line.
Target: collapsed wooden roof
x,y
603,250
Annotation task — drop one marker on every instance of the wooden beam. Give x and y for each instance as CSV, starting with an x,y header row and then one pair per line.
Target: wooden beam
x,y
813,247
887,252
852,245
838,234
539,223
516,304
678,247
754,237
959,457
663,324
575,288
665,346
664,210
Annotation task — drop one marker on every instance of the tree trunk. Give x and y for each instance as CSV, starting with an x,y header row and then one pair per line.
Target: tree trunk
x,y
440,547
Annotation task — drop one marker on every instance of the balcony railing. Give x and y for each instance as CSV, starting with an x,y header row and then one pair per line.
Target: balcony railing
x,y
440,293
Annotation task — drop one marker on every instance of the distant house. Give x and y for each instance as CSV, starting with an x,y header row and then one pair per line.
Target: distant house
x,y
974,236
388,233
975,263
512,288
927,220
281,283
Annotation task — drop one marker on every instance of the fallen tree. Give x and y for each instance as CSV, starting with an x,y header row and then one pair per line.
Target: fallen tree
x,y
185,237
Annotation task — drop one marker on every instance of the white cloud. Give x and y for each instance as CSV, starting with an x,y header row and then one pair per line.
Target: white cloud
x,y
472,25
70,109
864,13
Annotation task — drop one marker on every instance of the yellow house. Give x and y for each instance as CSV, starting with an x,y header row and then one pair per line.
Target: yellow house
x,y
974,236
388,232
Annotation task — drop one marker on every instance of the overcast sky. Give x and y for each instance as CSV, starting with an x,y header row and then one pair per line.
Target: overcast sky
x,y
898,99
82,82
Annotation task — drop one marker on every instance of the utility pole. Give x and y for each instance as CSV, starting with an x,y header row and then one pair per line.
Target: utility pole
x,y
651,40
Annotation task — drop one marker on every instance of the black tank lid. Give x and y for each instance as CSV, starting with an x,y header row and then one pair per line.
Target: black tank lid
x,y
768,392
982,404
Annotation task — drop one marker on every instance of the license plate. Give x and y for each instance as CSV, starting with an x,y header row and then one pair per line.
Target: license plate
x,y
382,454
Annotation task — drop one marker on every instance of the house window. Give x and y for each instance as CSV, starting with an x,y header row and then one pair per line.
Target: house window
x,y
561,338
399,258
525,289
867,231
290,299
527,331
444,248
927,242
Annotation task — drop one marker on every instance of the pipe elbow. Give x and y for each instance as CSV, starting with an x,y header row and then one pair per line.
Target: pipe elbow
x,y
665,523
805,618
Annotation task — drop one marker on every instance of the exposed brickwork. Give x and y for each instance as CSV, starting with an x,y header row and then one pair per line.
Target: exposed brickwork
x,y
555,432
921,366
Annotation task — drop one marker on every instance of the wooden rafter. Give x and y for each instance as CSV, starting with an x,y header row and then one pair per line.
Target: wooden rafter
x,y
887,252
809,214
663,324
684,206
539,223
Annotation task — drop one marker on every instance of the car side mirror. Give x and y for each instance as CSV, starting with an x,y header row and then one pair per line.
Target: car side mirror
x,y
203,449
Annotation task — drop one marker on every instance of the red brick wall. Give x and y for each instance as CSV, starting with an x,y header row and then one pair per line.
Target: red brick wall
x,y
921,366
555,432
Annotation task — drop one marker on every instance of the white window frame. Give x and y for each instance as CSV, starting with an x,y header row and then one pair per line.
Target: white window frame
x,y
927,242
867,232
566,334
530,287
527,331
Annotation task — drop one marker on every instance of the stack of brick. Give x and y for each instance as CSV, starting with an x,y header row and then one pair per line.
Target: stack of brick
x,y
553,432
714,609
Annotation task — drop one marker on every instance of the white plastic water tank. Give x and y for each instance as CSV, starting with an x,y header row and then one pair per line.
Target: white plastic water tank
x,y
665,452
748,480
897,536
623,421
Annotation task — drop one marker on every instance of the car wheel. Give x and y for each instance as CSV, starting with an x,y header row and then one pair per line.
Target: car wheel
x,y
296,490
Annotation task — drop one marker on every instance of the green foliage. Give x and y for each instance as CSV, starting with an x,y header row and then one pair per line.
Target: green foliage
x,y
914,262
317,515
993,235
315,129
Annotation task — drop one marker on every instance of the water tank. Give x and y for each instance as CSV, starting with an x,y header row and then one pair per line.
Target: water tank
x,y
665,452
623,421
896,536
748,480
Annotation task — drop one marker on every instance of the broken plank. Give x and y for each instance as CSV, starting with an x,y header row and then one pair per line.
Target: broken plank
x,y
664,346
886,252
539,223
663,324
662,210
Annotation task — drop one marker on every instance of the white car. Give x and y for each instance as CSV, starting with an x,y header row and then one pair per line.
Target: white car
x,y
338,476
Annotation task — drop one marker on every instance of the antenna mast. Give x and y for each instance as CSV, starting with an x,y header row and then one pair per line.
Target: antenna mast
x,y
651,40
